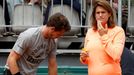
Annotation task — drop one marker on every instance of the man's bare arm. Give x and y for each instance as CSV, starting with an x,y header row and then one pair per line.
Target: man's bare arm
x,y
12,62
52,65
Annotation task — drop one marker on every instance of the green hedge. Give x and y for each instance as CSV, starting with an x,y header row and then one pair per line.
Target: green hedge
x,y
62,70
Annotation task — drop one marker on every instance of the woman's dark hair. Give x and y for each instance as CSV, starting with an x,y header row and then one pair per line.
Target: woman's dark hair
x,y
104,4
59,21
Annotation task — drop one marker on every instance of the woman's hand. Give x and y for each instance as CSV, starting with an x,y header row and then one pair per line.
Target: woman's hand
x,y
84,55
102,28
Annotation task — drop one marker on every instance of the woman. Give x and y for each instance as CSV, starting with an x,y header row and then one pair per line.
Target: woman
x,y
104,42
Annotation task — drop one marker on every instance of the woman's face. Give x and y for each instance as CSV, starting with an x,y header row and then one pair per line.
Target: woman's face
x,y
101,14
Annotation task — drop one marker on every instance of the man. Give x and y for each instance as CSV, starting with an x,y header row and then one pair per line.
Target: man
x,y
35,44
127,62
3,3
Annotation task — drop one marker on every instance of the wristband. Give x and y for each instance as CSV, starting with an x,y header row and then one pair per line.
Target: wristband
x,y
18,73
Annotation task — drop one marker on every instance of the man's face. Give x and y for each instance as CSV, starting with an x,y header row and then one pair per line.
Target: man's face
x,y
56,34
